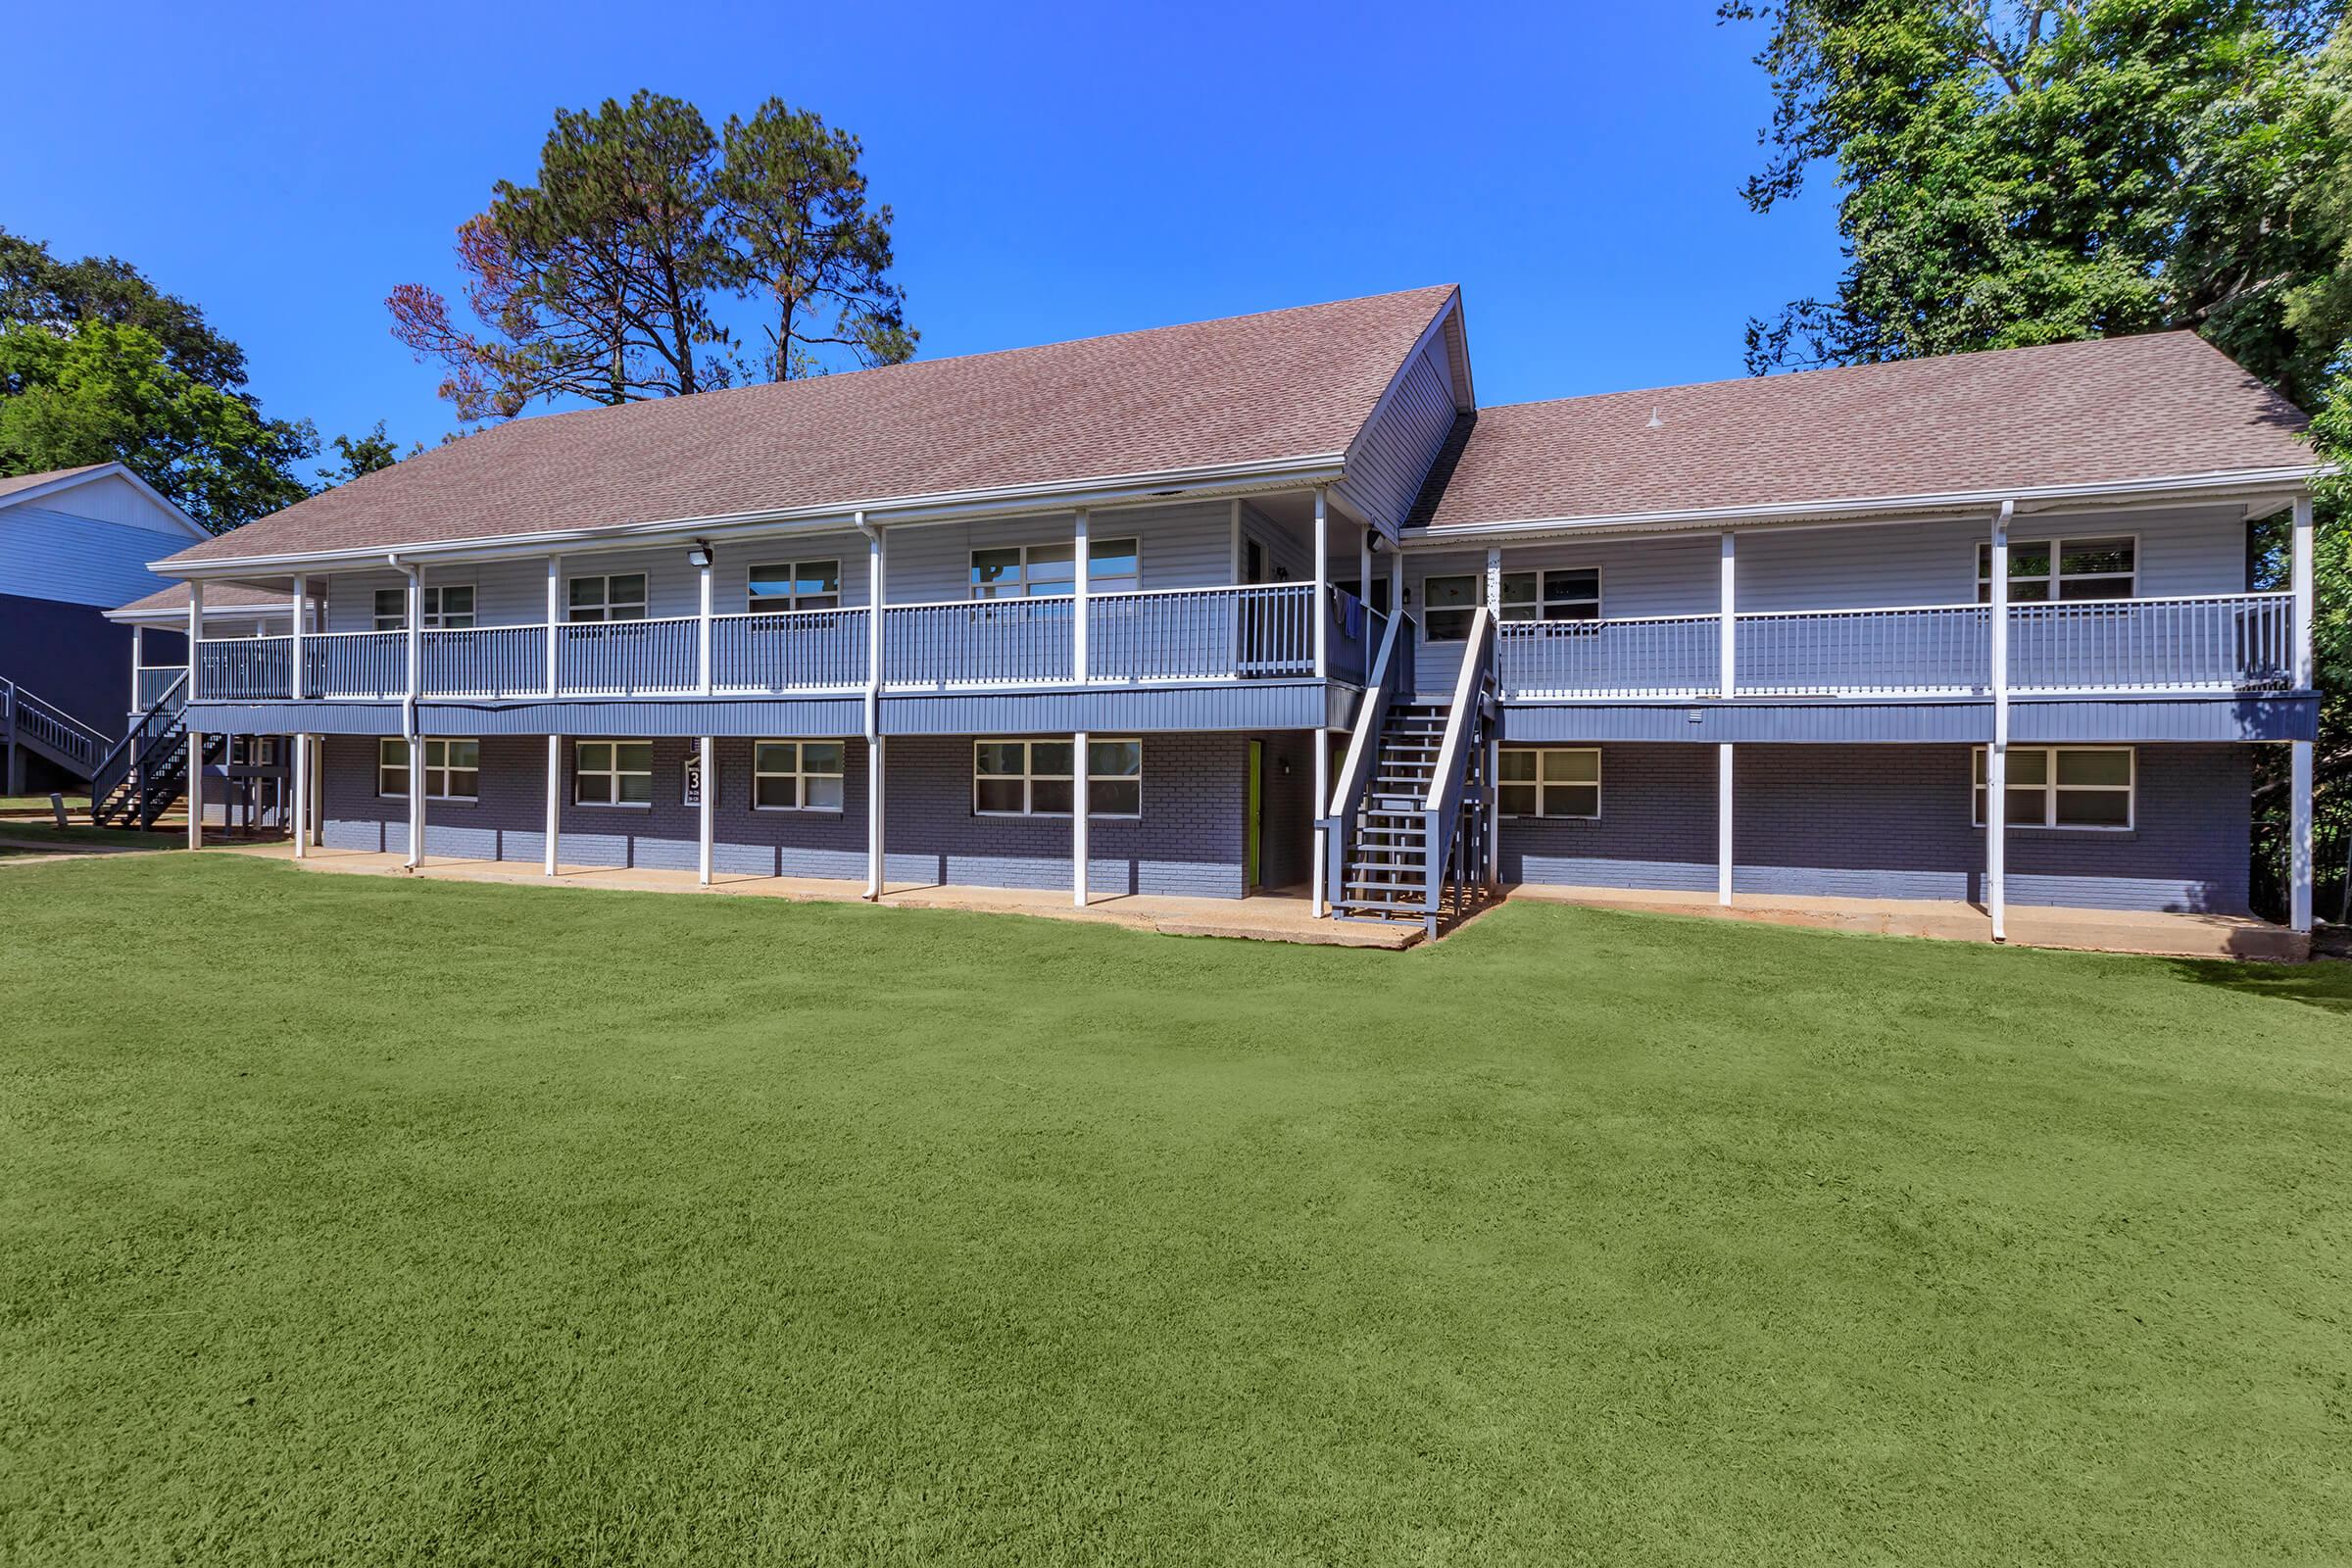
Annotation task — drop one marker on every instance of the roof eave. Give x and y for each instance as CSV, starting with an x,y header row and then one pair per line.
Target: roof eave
x,y
2250,482
1143,489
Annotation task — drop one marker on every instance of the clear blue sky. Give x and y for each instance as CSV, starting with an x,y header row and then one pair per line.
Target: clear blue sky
x,y
1057,172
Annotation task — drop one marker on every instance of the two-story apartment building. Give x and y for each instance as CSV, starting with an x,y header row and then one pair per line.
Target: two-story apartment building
x,y
1270,602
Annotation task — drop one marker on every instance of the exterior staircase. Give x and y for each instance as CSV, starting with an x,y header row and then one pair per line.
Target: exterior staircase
x,y
1411,833
146,772
46,730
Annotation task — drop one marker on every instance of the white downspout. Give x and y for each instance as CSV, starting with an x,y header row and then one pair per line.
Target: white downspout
x,y
877,572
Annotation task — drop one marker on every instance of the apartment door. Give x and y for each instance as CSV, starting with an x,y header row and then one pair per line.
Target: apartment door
x,y
1254,816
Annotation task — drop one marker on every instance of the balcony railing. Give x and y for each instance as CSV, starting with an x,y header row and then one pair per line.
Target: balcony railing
x,y
2213,642
1254,632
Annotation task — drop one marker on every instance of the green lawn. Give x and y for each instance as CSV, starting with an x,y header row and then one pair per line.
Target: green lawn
x,y
354,1220
45,831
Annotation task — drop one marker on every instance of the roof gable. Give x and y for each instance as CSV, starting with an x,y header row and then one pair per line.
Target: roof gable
x,y
107,491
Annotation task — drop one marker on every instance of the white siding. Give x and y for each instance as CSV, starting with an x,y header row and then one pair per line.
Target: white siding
x,y
111,498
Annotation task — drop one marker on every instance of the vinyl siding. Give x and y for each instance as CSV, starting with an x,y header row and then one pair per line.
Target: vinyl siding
x,y
1391,456
74,559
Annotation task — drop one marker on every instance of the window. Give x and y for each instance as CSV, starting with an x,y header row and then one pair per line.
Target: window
x,y
1380,592
615,598
453,769
1566,593
1549,781
1112,566
1032,778
447,606
1448,605
795,775
2063,569
613,774
2063,785
799,585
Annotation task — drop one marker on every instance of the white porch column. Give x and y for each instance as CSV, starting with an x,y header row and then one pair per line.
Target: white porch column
x,y
1397,581
1081,577
877,587
1322,601
2299,838
706,816
1319,895
195,765
702,638
138,663
1235,527
1363,583
554,801
1494,581
1728,684
1078,772
2306,595
301,816
555,621
415,730
302,601
1997,756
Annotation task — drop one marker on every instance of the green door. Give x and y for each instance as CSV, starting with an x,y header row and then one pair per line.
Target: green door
x,y
1250,815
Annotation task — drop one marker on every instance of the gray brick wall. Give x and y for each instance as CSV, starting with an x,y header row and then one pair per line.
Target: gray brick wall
x,y
1188,840
1892,821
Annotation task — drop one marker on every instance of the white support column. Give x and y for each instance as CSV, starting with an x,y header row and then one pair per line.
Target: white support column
x,y
1235,576
2299,838
138,663
1997,756
195,764
1364,579
1322,602
1494,581
702,639
707,814
555,621
1078,803
301,815
1727,544
1319,895
415,731
1724,801
555,802
2306,594
877,597
1081,575
1397,582
302,601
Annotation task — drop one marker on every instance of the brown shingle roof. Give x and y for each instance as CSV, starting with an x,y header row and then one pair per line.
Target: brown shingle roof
x,y
2114,410
217,596
1295,383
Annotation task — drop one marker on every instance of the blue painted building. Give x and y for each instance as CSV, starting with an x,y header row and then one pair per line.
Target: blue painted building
x,y
1272,603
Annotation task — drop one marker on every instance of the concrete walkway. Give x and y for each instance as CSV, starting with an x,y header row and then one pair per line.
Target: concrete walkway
x,y
1263,917
2169,935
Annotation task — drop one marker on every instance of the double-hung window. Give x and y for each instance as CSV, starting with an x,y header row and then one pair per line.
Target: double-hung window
x,y
1554,594
447,606
1558,782
1033,778
1448,605
795,775
1018,571
453,769
613,774
2042,570
2065,786
795,585
619,597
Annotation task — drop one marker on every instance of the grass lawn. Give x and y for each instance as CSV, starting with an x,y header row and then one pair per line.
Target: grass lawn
x,y
79,804
349,1219
45,831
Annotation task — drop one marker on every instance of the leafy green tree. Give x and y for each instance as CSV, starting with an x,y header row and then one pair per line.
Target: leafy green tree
x,y
363,455
101,392
2018,173
608,279
37,289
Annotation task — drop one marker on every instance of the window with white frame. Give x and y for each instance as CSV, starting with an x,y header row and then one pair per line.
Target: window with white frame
x,y
453,769
447,606
1558,593
2041,570
2065,786
1448,605
795,775
795,585
1015,571
619,596
1558,781
1033,778
612,772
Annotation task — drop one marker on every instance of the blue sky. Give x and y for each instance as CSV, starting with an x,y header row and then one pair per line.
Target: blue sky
x,y
1057,172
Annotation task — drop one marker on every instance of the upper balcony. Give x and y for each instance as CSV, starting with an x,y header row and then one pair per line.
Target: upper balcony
x,y
2215,643
1255,632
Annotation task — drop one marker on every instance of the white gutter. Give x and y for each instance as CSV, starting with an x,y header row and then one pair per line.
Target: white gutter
x,y
1288,473
2042,498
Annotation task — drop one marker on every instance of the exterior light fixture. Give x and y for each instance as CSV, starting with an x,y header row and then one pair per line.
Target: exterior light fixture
x,y
699,556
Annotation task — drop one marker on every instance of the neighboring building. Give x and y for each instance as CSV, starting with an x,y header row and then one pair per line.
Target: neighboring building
x,y
74,542
1754,636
